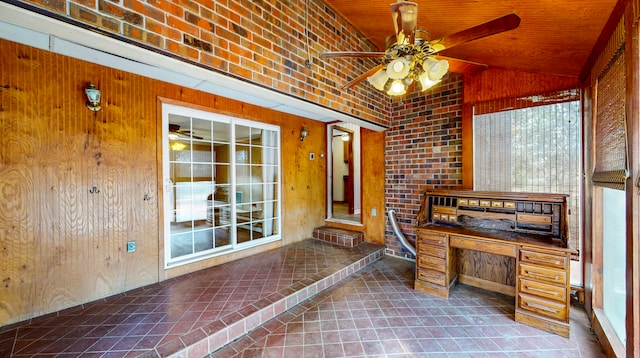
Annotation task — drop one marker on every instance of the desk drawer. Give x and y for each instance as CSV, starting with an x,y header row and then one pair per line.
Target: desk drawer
x,y
558,293
483,246
543,274
431,250
435,277
431,239
432,263
543,306
544,259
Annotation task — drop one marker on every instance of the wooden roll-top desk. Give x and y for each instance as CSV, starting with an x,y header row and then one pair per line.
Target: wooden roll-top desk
x,y
512,243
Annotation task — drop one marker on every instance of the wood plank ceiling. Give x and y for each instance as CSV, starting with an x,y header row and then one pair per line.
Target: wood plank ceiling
x,y
554,37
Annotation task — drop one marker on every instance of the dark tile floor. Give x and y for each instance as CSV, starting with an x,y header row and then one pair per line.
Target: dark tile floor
x,y
165,318
376,313
365,311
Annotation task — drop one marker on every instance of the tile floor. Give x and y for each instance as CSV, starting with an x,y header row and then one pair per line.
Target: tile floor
x,y
164,318
376,313
372,311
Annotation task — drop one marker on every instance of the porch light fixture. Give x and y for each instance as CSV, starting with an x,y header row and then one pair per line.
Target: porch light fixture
x,y
303,134
93,97
345,137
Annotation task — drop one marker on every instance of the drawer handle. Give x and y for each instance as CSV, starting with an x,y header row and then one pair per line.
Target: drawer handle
x,y
540,275
541,307
535,289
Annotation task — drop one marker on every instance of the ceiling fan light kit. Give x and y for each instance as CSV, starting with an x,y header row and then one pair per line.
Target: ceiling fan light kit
x,y
426,82
379,79
413,56
397,88
435,69
399,68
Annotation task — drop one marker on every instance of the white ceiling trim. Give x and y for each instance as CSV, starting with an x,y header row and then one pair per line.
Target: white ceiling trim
x,y
36,30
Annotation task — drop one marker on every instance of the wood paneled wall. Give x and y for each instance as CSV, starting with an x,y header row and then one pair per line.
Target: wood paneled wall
x,y
60,244
373,177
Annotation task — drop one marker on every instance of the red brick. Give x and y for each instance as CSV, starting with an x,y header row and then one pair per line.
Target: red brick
x,y
182,50
58,6
162,30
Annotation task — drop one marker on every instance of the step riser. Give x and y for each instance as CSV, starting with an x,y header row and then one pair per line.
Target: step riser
x,y
340,237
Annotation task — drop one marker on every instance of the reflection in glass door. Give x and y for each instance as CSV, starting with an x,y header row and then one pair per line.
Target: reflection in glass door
x,y
199,178
256,180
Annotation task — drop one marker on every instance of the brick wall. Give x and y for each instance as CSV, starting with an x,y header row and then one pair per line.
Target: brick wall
x,y
262,41
423,151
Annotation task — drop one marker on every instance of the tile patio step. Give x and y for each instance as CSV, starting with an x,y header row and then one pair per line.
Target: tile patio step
x,y
237,324
342,237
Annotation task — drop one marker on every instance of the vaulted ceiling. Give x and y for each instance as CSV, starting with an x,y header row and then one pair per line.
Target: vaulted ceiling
x,y
554,36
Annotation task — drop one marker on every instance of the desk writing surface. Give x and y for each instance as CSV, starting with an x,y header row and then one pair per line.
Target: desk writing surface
x,y
516,238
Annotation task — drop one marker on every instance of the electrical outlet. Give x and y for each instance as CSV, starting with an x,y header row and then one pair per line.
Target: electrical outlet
x,y
374,212
312,156
131,246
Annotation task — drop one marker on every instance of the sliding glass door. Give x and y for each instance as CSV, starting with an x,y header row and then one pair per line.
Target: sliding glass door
x,y
221,184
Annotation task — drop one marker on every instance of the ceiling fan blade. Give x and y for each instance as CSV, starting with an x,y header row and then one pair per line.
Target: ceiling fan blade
x,y
355,54
405,20
496,26
462,66
362,77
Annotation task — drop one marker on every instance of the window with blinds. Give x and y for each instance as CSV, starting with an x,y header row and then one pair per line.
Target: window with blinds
x,y
531,149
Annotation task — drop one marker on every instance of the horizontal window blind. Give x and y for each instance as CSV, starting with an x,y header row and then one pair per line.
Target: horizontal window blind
x,y
532,149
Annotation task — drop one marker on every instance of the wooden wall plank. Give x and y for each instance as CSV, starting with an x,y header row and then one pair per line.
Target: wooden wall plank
x,y
61,245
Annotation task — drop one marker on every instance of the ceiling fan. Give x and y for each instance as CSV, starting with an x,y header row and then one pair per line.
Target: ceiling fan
x,y
411,56
174,130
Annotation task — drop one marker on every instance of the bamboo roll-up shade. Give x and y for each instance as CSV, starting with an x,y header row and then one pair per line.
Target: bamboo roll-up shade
x,y
610,143
540,99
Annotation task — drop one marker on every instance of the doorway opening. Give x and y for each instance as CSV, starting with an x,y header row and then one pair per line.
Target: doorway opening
x,y
344,196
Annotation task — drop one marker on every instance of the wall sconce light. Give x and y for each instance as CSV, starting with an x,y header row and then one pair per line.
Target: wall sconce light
x,y
303,134
345,137
93,97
